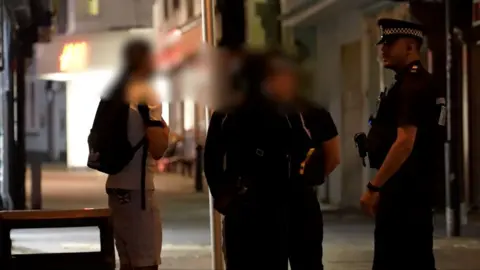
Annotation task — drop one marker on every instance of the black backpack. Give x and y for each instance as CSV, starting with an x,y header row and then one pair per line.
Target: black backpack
x,y
109,147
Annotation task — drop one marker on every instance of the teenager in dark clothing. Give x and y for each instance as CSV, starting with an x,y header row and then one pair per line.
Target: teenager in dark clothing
x,y
272,214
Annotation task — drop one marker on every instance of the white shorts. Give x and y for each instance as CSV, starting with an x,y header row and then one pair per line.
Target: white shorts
x,y
137,232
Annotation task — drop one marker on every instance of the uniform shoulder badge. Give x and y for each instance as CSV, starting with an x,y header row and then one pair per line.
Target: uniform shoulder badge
x,y
414,69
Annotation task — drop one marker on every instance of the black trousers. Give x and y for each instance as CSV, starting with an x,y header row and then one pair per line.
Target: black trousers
x,y
403,232
268,236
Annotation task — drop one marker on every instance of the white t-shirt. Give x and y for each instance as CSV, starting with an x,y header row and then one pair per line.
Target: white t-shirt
x,y
129,177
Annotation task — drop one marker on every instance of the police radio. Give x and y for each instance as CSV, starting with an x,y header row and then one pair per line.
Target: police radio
x,y
442,116
441,128
360,140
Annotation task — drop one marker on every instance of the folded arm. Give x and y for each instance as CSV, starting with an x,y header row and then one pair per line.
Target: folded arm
x,y
327,135
331,149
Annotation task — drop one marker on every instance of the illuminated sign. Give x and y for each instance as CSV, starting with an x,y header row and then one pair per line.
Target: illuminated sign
x,y
169,58
186,43
74,57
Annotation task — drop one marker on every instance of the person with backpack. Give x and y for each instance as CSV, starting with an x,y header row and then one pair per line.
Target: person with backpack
x,y
128,136
256,166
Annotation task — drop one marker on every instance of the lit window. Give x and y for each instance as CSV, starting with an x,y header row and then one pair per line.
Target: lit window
x,y
93,7
73,57
189,114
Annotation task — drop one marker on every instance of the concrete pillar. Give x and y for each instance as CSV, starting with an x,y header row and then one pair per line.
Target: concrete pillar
x,y
328,82
475,125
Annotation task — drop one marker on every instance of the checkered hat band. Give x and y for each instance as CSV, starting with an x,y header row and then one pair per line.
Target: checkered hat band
x,y
402,31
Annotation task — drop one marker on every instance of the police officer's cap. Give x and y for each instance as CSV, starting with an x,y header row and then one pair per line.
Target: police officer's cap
x,y
391,29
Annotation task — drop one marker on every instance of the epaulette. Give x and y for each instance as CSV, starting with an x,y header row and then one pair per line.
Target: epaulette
x,y
416,76
414,69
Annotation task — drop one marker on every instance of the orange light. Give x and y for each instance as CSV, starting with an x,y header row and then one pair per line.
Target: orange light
x,y
74,57
175,33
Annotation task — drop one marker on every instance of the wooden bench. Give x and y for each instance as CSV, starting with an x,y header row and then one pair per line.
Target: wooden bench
x,y
102,260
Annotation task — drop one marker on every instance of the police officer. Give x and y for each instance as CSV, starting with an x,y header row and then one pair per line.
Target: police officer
x,y
272,215
403,145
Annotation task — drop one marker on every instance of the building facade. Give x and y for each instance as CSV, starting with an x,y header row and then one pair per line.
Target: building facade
x,y
181,24
69,74
88,16
339,38
85,54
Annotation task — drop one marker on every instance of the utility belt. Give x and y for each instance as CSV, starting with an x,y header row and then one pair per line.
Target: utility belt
x,y
243,193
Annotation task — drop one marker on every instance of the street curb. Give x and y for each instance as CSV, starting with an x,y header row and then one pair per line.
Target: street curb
x,y
79,247
24,250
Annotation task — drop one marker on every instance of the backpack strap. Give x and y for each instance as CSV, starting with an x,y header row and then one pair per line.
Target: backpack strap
x,y
143,172
223,120
143,143
309,134
137,146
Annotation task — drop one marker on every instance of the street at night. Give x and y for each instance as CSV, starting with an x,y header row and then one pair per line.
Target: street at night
x,y
348,236
366,108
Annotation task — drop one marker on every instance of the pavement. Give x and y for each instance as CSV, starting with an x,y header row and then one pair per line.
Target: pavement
x,y
347,244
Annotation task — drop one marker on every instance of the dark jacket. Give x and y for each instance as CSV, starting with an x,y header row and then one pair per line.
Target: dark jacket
x,y
258,149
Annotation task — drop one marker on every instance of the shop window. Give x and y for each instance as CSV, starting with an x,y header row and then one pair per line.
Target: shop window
x,y
60,11
93,7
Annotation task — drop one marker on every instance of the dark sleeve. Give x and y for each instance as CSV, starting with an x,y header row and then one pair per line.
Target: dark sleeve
x,y
410,100
214,153
323,125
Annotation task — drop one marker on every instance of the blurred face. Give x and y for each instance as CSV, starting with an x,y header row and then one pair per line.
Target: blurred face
x,y
395,52
283,85
147,65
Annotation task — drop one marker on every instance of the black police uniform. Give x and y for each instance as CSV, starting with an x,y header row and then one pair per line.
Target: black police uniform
x,y
403,225
271,215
